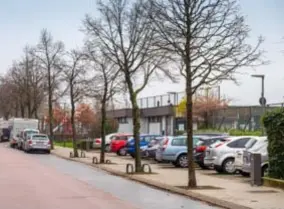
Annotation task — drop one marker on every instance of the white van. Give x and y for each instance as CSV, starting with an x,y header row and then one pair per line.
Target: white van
x,y
17,125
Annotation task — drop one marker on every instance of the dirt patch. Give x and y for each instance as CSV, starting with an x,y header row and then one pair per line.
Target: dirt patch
x,y
263,191
200,188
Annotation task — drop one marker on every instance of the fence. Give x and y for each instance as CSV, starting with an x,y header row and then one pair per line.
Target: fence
x,y
173,98
241,117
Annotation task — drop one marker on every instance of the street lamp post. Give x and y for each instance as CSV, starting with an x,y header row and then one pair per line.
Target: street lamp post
x,y
262,99
174,106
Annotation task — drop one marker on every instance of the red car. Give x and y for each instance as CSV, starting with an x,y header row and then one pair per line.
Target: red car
x,y
118,143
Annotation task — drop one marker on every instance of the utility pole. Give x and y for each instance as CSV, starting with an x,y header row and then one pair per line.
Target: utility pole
x,y
262,99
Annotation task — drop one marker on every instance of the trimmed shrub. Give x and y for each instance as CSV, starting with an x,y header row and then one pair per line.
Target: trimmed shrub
x,y
274,123
236,132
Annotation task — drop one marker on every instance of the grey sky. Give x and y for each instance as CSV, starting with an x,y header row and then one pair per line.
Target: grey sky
x,y
21,22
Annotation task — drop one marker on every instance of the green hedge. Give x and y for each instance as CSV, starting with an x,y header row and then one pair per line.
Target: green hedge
x,y
231,132
274,123
236,132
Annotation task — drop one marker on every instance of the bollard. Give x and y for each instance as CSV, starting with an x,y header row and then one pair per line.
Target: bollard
x,y
148,166
71,155
83,154
95,160
129,165
255,175
108,162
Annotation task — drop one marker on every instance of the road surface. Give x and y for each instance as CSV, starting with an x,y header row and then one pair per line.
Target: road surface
x,y
41,181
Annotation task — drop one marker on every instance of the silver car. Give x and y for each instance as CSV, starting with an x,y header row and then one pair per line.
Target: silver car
x,y
223,156
239,155
262,149
37,142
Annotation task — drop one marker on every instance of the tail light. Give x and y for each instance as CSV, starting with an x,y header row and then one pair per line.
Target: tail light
x,y
98,141
30,141
165,144
200,148
48,142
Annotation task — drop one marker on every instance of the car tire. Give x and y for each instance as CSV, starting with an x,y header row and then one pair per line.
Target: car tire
x,y
107,148
264,170
132,155
228,166
122,152
182,161
48,152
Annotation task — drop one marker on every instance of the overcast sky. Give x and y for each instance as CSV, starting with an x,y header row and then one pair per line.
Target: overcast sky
x,y
21,22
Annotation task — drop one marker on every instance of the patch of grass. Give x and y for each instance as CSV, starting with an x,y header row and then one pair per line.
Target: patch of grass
x,y
68,144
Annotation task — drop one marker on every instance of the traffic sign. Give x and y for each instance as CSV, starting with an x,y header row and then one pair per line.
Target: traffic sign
x,y
262,101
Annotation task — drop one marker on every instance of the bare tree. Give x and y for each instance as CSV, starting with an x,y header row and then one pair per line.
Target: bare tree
x,y
74,75
209,39
27,76
49,53
107,83
127,39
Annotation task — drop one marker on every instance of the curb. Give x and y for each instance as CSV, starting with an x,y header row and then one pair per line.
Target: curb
x,y
192,195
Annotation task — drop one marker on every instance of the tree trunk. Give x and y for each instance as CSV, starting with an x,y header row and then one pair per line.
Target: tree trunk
x,y
75,149
189,112
50,109
103,127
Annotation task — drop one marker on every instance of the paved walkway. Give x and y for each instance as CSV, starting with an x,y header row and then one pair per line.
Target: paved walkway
x,y
235,189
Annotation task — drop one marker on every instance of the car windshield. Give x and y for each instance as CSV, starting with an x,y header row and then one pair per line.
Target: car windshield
x,y
40,137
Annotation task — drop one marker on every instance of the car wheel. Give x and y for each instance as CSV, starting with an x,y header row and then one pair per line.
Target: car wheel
x,y
228,166
219,169
182,161
107,148
264,170
122,152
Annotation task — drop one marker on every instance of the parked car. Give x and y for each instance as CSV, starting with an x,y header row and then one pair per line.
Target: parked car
x,y
223,156
37,142
108,138
262,149
201,146
174,150
144,141
239,155
150,151
118,143
5,134
25,135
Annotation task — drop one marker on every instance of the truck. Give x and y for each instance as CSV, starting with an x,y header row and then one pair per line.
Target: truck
x,y
4,130
17,126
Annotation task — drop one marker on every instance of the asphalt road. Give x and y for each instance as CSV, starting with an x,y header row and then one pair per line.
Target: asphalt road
x,y
41,181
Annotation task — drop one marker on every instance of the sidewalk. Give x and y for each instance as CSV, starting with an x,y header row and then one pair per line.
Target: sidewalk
x,y
226,191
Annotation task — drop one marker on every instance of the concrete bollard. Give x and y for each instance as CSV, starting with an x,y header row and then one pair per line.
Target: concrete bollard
x,y
95,160
129,165
146,165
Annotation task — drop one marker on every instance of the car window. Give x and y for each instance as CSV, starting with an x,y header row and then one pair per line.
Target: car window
x,y
180,141
39,137
147,138
239,143
250,143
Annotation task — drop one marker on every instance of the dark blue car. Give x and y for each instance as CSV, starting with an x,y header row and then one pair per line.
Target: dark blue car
x,y
144,141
